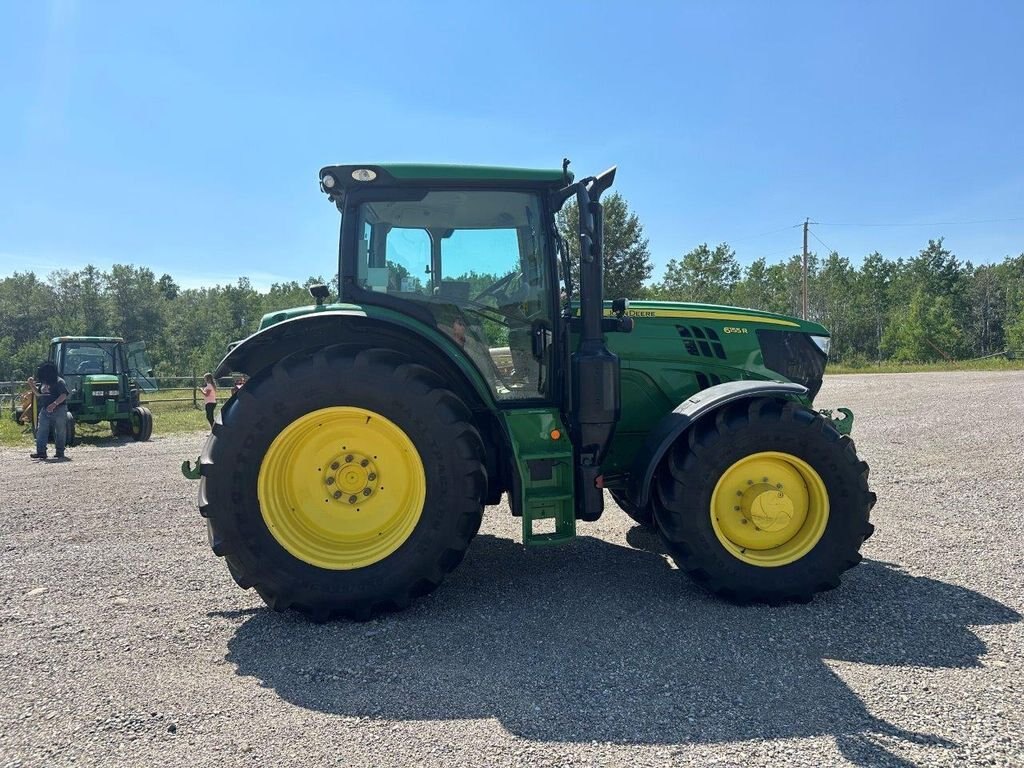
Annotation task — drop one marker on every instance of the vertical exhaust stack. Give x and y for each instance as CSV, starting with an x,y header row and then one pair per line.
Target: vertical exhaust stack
x,y
596,400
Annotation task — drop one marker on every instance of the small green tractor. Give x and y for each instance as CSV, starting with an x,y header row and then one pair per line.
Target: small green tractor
x,y
350,473
105,377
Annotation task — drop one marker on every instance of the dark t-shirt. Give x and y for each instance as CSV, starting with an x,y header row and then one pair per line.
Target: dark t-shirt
x,y
49,394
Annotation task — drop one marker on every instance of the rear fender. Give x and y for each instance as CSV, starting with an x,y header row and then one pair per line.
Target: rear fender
x,y
673,426
354,327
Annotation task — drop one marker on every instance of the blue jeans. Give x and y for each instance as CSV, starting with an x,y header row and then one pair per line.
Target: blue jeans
x,y
59,420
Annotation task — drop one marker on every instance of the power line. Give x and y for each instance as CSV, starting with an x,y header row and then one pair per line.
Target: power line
x,y
930,224
830,248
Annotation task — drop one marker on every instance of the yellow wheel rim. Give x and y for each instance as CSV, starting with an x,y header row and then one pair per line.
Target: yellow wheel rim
x,y
769,509
341,488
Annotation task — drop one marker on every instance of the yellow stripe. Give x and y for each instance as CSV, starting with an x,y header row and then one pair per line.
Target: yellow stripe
x,y
692,314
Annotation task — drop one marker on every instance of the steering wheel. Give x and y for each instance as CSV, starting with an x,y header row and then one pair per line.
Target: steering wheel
x,y
496,289
87,366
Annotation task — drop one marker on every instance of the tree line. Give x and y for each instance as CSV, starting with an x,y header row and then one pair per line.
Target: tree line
x,y
930,307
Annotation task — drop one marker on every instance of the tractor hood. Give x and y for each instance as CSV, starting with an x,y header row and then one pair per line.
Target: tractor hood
x,y
743,317
710,344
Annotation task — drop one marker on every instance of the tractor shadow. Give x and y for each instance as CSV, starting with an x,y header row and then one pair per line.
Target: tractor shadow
x,y
601,642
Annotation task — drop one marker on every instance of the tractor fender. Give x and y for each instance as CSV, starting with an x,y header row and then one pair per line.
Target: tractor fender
x,y
686,414
424,343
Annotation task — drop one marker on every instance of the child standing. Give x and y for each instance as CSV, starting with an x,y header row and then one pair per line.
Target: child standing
x,y
209,397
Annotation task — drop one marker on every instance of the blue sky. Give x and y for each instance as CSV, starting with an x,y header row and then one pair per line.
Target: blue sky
x,y
187,137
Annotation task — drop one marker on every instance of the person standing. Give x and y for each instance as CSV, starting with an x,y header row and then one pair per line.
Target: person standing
x,y
209,396
52,410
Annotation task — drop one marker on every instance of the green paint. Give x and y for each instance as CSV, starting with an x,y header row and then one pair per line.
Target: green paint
x,y
537,453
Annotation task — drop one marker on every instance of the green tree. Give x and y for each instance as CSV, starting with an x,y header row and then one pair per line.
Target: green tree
x,y
925,331
704,275
627,259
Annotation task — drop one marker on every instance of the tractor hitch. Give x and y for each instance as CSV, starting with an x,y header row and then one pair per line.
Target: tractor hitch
x,y
189,471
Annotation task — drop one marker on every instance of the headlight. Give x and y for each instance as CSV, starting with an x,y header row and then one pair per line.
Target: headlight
x,y
822,342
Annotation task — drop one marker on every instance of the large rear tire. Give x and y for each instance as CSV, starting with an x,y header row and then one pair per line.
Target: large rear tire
x,y
342,483
764,502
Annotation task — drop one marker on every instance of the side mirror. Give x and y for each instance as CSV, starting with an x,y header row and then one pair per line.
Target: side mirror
x,y
319,292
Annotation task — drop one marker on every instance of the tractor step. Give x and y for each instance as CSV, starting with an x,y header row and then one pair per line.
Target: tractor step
x,y
558,508
546,467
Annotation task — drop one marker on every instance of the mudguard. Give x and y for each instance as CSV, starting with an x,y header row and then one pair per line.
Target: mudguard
x,y
324,328
668,430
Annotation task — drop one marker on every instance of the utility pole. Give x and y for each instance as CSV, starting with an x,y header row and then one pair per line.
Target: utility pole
x,y
807,222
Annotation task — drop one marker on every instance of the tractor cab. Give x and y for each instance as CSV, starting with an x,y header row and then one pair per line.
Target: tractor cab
x,y
476,263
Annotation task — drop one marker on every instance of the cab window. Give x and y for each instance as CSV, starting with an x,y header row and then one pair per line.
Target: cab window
x,y
475,258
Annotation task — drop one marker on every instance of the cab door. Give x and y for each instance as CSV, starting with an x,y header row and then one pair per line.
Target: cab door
x,y
139,367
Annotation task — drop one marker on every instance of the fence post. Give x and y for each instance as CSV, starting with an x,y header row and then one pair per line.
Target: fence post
x,y
195,405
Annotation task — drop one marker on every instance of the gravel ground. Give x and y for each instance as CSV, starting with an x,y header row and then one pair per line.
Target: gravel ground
x,y
123,641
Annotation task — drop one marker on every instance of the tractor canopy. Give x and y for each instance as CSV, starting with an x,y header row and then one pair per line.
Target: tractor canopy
x,y
338,178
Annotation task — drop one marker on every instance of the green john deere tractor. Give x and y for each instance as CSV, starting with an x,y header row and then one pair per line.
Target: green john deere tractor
x,y
350,473
104,376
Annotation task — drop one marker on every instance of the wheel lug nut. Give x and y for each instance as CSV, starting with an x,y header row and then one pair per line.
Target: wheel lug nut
x,y
744,521
330,481
353,499
337,494
736,508
335,465
364,463
371,477
367,491
348,459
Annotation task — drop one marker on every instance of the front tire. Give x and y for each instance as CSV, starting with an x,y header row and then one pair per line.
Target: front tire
x,y
342,483
765,501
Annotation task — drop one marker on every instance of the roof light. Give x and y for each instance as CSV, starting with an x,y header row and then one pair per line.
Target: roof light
x,y
329,181
364,174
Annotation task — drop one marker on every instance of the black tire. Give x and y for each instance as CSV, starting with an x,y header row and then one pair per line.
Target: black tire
x,y
140,426
641,516
382,381
685,483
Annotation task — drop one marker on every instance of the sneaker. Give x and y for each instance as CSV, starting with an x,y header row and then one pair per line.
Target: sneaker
x,y
61,456
37,455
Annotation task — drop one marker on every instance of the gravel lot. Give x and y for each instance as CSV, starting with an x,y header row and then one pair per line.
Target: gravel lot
x,y
124,642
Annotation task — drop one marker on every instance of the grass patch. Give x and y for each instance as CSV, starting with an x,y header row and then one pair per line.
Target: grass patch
x,y
169,418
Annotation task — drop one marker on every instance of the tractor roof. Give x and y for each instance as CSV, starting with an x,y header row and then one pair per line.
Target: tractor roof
x,y
366,174
58,339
